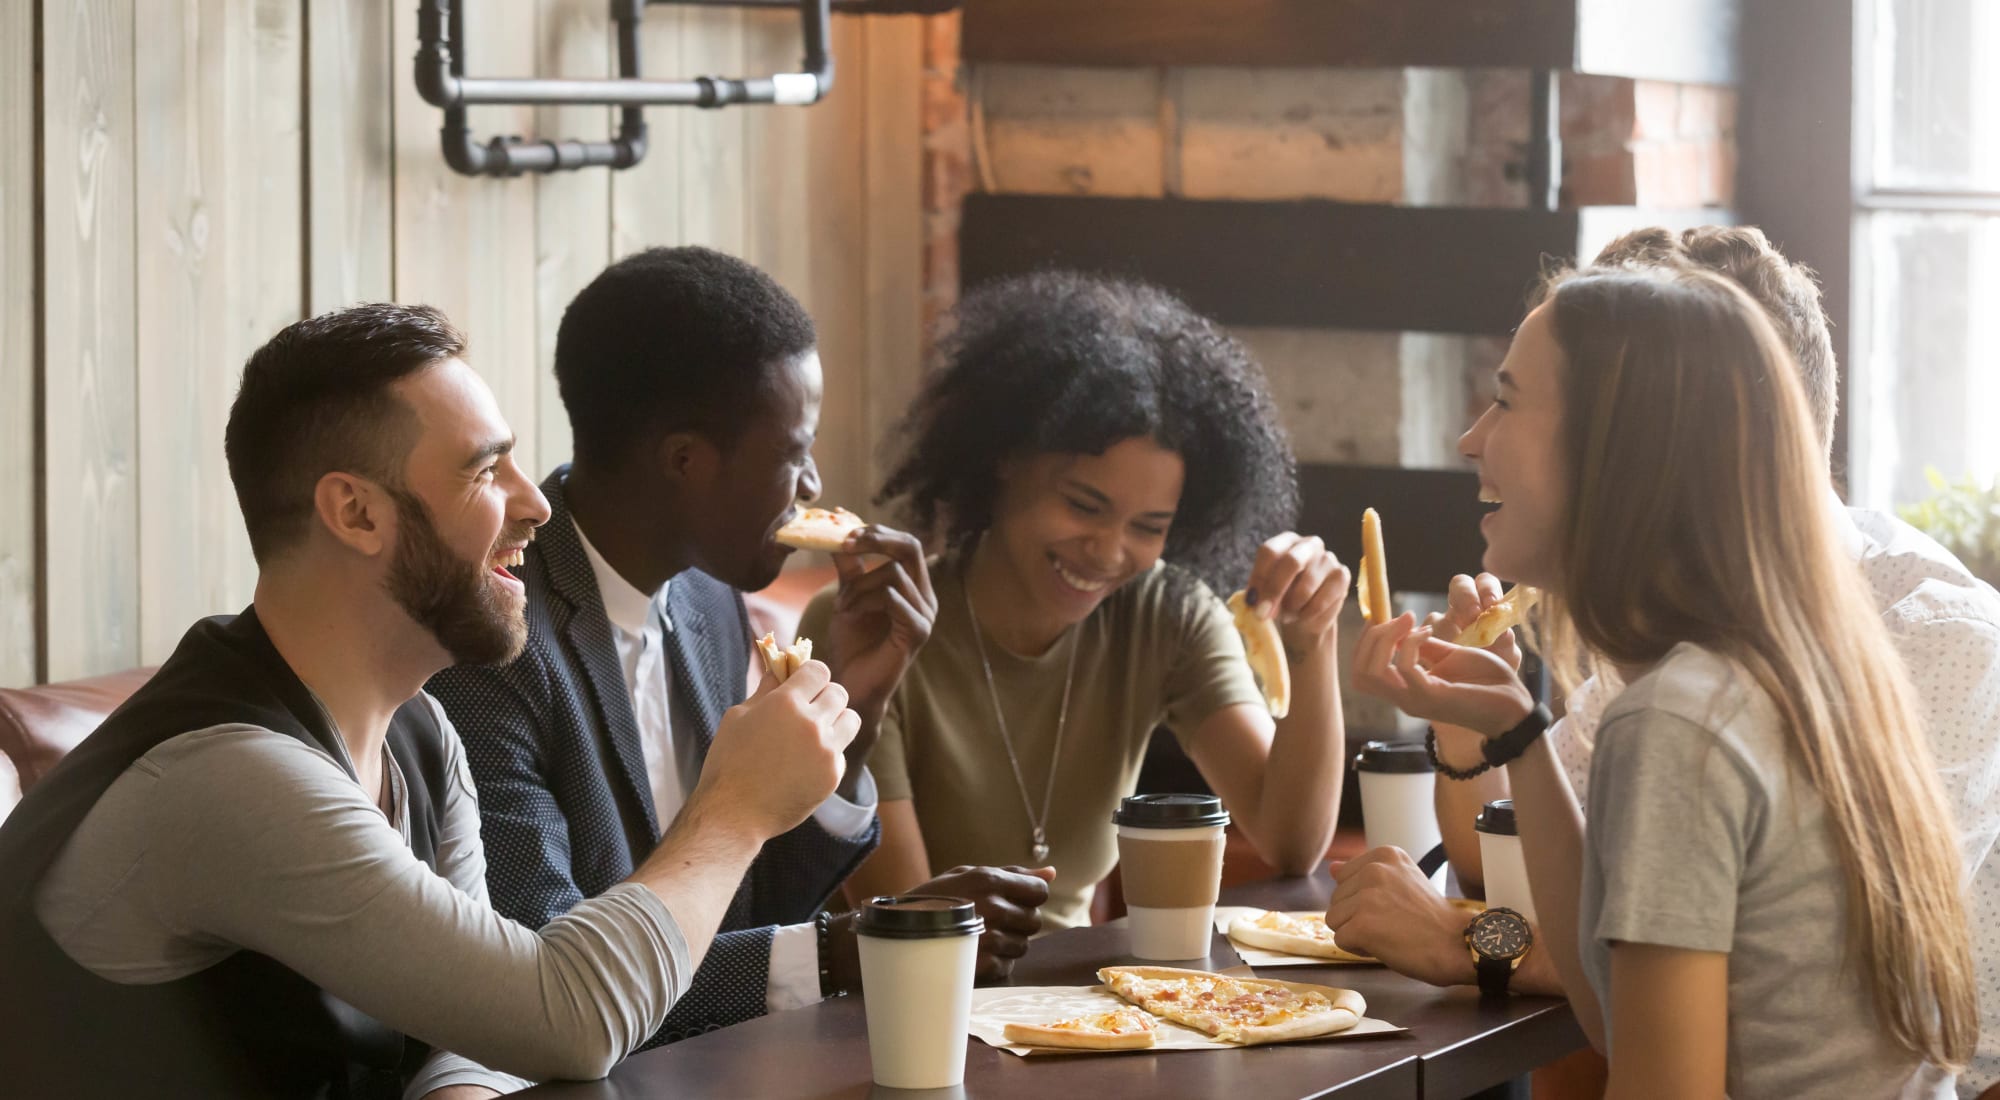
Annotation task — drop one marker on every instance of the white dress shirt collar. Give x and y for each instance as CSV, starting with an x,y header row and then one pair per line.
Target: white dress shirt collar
x,y
624,604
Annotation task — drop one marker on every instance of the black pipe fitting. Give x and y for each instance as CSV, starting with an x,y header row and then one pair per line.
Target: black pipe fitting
x,y
441,80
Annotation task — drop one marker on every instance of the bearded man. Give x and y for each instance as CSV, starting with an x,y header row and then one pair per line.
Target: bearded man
x,y
262,876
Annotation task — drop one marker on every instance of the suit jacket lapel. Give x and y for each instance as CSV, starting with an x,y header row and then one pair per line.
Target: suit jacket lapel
x,y
578,615
691,643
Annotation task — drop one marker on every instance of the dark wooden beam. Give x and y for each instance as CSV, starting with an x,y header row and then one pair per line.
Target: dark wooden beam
x,y
1795,178
1523,33
1685,40
1293,264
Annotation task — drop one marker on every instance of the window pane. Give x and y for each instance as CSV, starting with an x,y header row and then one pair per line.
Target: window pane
x,y
1926,374
1935,111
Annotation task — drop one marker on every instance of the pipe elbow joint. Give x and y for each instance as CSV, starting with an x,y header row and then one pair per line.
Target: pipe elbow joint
x,y
464,155
434,80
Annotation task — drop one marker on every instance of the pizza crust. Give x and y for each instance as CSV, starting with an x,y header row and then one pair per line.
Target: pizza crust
x,y
1265,651
1371,581
819,529
1246,930
1080,1035
1344,1011
782,661
1508,613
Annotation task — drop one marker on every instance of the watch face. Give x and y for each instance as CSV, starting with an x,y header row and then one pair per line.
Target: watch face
x,y
1500,934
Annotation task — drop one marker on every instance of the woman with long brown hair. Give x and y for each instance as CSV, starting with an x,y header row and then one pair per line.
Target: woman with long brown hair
x,y
1767,898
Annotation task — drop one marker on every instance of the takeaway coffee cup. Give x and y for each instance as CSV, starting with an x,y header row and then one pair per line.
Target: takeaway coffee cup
x,y
1506,873
918,953
1396,807
1170,860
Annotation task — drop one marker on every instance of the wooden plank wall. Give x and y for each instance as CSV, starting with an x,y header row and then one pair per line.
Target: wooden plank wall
x,y
19,585
181,178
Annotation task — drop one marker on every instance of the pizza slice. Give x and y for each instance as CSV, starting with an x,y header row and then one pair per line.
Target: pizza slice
x,y
1266,653
1244,1011
1510,612
819,529
782,661
1119,1029
1371,581
1292,933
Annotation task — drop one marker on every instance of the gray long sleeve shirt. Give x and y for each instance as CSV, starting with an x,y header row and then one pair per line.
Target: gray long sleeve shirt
x,y
238,837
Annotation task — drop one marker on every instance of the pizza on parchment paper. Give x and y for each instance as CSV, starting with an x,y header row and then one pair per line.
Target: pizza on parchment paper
x,y
1292,933
1119,1029
1245,1011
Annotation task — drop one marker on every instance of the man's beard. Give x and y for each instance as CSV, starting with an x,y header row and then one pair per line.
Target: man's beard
x,y
450,597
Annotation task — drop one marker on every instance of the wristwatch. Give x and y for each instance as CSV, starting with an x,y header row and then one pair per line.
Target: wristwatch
x,y
1499,939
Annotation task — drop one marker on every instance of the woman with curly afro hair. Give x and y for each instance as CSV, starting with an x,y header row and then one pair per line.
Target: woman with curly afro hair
x,y
1097,462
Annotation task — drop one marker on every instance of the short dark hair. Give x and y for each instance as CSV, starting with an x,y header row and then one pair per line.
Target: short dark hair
x,y
672,339
315,399
1789,293
1064,363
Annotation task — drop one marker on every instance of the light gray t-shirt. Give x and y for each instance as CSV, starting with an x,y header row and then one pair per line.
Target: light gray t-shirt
x,y
1945,624
238,837
1702,835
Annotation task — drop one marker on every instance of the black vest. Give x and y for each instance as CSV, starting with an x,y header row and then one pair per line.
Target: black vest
x,y
247,1026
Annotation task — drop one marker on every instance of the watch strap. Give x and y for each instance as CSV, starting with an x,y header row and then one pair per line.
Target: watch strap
x,y
1494,975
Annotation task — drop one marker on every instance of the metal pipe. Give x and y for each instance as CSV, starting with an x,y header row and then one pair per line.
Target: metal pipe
x,y
441,80
511,156
1545,141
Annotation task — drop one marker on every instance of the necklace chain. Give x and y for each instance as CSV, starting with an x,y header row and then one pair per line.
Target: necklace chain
x,y
1036,822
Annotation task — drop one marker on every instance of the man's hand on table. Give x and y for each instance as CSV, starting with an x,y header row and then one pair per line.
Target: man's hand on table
x,y
1384,906
462,1092
1008,898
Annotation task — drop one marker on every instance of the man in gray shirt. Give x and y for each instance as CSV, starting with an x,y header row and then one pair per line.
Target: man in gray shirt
x,y
265,870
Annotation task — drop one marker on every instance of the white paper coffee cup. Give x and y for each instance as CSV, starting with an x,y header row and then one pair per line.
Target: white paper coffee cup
x,y
918,954
1397,784
1170,865
1504,868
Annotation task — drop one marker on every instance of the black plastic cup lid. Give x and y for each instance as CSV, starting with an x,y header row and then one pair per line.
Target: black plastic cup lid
x,y
918,917
1395,757
1171,811
1498,818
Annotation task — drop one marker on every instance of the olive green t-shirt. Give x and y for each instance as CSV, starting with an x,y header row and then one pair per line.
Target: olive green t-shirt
x,y
1153,653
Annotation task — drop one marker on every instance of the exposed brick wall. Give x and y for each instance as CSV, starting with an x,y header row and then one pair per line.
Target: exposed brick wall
x,y
1412,136
1625,142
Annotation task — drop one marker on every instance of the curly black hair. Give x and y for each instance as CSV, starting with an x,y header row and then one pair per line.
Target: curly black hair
x,y
1060,362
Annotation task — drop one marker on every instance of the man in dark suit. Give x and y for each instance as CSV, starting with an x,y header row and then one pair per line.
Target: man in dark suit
x,y
692,383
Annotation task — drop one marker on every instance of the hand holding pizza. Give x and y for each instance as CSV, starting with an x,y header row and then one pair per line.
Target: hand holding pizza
x,y
1467,600
1299,584
881,617
1437,681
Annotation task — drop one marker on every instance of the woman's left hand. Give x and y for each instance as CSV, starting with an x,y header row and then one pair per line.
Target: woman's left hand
x,y
1298,582
1437,681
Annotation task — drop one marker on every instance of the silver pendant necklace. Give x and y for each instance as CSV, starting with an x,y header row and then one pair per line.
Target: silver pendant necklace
x,y
1040,851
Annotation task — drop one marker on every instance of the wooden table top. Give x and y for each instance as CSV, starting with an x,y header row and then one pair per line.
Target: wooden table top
x,y
1455,1043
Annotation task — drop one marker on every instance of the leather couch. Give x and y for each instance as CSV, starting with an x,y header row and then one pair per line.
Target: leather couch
x,y
40,724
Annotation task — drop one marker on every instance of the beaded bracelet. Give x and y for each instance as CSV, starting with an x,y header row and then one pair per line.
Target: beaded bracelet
x,y
1446,770
823,928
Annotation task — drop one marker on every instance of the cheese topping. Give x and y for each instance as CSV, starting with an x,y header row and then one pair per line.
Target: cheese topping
x,y
1313,927
1123,1021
